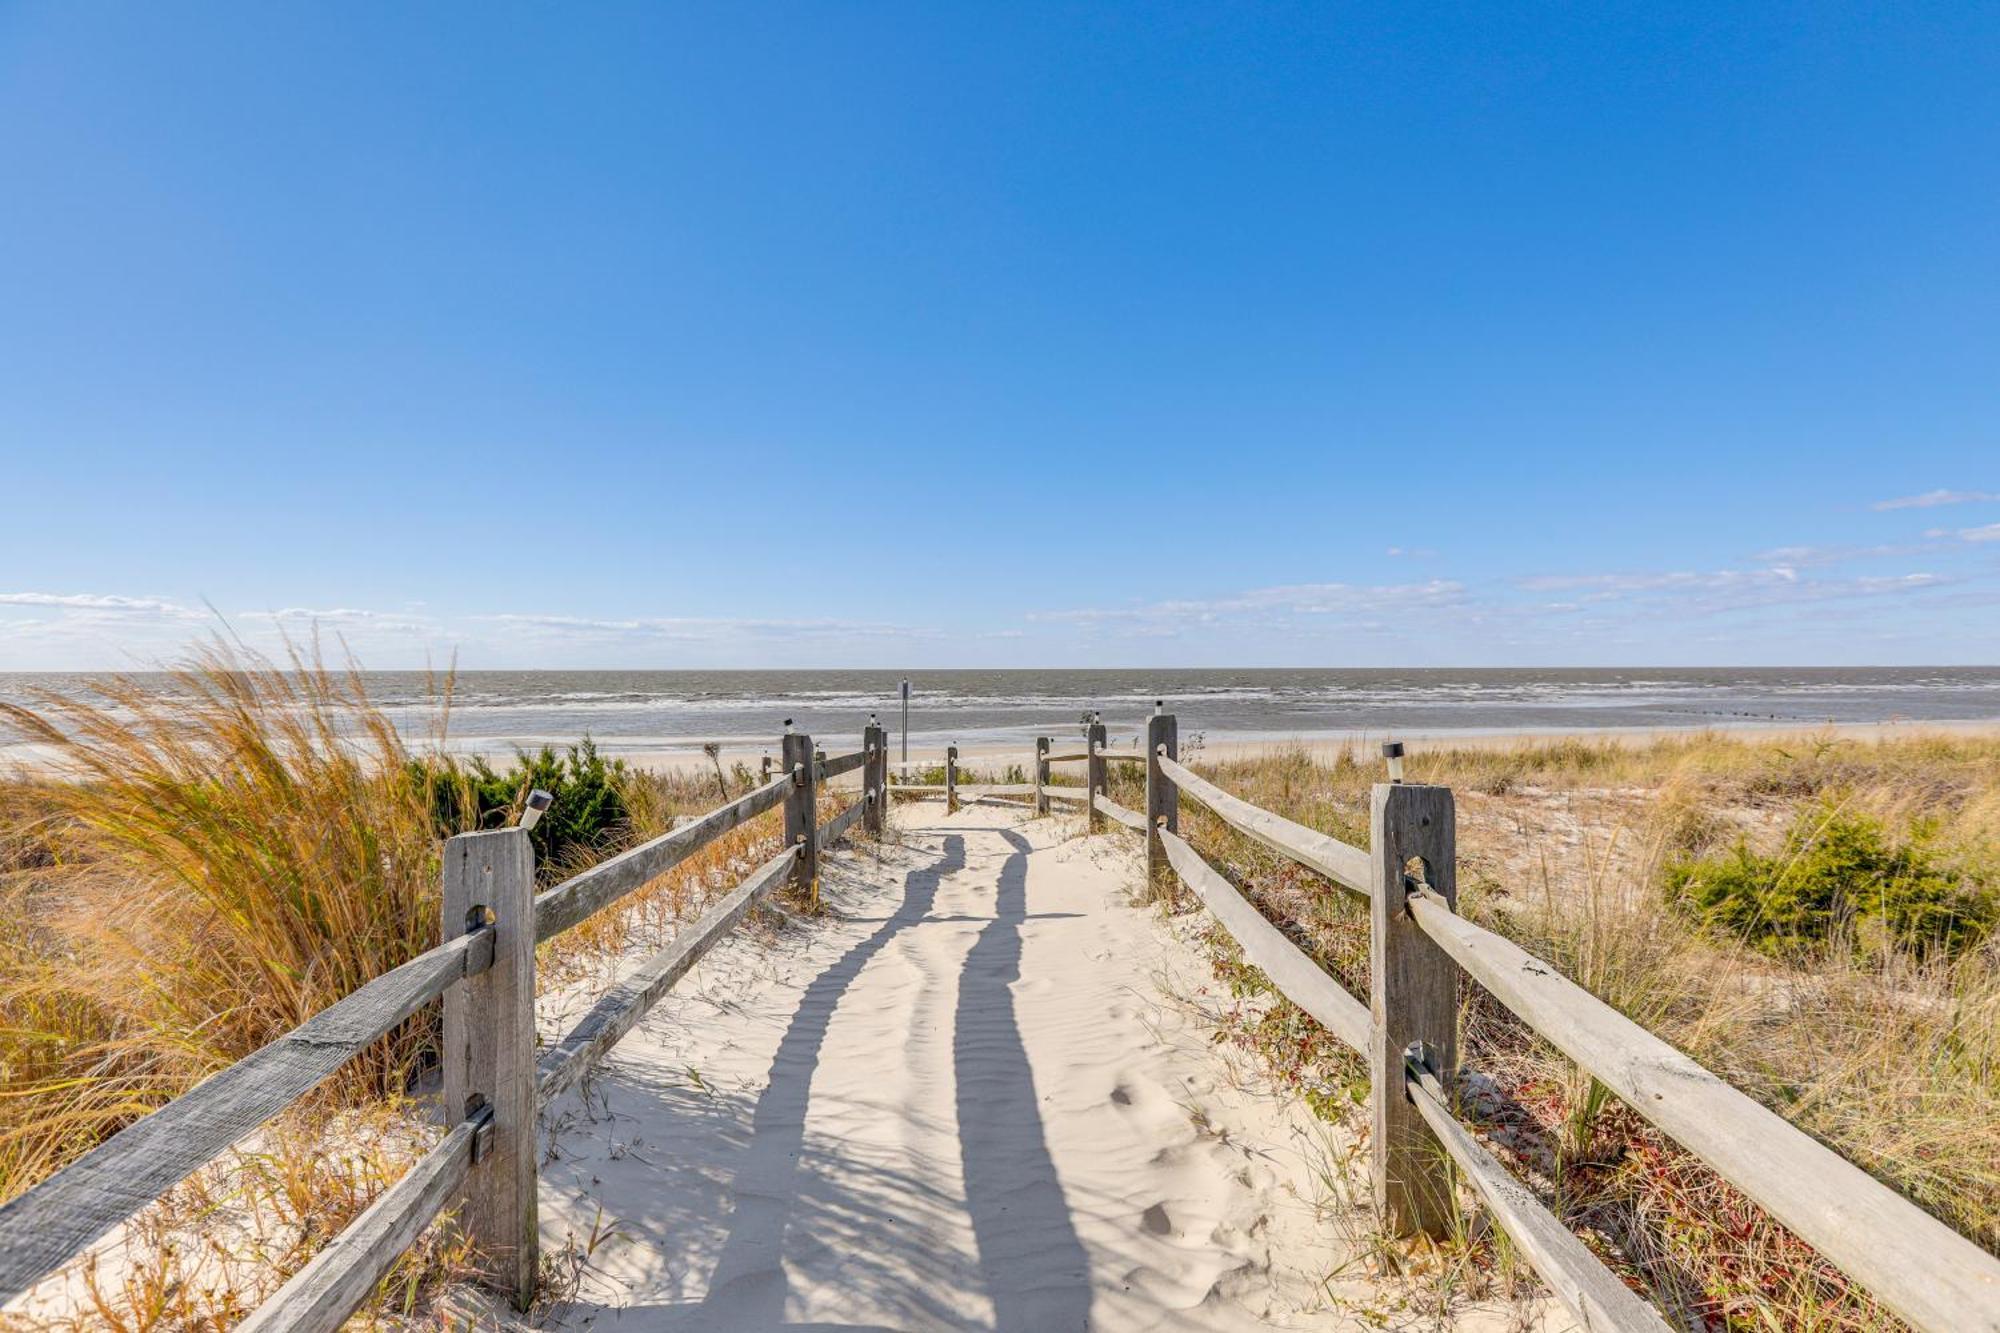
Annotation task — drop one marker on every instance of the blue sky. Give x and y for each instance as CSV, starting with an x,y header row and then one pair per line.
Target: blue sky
x,y
664,335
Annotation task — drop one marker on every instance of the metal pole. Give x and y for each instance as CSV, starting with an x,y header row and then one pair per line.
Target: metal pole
x,y
906,723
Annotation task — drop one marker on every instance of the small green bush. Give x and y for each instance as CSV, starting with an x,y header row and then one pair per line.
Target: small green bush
x,y
1840,876
588,816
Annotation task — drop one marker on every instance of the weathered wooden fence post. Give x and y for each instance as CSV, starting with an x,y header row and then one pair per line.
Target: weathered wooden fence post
x,y
1413,999
1163,804
1041,775
801,813
489,1050
874,775
1093,777
950,778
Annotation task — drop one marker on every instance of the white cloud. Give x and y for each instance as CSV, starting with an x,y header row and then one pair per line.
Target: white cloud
x,y
1932,499
1989,533
99,602
1271,607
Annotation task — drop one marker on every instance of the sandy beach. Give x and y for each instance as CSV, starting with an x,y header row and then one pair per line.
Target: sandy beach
x,y
978,1096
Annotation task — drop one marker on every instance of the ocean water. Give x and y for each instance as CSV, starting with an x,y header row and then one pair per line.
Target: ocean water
x,y
649,711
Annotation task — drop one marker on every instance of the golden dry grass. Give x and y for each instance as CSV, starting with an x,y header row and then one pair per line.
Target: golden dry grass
x,y
1891,1059
208,866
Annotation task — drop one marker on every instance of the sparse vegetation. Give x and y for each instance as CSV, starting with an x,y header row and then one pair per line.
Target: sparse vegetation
x,y
212,863
1828,949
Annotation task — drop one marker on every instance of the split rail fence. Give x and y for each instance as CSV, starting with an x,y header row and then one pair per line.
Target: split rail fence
x,y
495,1084
1927,1273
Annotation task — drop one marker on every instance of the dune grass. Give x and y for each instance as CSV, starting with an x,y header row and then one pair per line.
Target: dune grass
x,y
1885,1047
211,863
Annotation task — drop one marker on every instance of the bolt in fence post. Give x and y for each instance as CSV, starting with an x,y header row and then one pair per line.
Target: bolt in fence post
x,y
1163,804
950,778
1041,775
873,773
1093,777
802,814
489,1050
1413,999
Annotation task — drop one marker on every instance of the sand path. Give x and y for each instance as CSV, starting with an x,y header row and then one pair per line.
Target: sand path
x,y
964,1101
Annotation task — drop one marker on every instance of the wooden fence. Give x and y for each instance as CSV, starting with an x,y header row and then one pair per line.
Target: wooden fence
x,y
494,1085
1915,1265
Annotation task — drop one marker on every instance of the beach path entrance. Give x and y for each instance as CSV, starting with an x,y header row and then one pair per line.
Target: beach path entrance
x,y
977,1095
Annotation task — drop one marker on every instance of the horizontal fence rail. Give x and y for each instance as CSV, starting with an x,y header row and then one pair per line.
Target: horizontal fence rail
x,y
1910,1261
1579,1278
1344,865
620,1009
1923,1270
1131,819
59,1217
485,1164
321,1296
582,896
1295,975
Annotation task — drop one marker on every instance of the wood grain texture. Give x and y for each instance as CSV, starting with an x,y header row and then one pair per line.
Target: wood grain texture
x,y
1412,1001
950,778
620,1008
875,776
1346,866
1041,775
842,764
582,896
1069,757
489,1052
60,1217
1163,802
1588,1289
1297,977
836,828
1094,777
801,813
1926,1272
320,1297
1064,794
1130,818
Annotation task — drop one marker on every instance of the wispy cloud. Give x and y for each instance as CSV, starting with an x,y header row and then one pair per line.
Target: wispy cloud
x,y
1267,606
1989,533
100,602
1932,499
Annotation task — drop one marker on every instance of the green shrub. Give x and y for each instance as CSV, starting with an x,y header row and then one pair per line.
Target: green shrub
x,y
1839,876
589,815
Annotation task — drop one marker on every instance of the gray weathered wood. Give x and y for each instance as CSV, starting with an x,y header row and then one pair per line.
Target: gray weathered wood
x,y
1120,757
1130,818
620,1008
1163,805
320,1297
837,827
1297,977
1093,775
987,799
842,764
582,896
1041,775
950,778
1346,866
1916,1265
874,741
1413,1005
801,814
1077,757
61,1216
1588,1289
489,1050
1064,793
